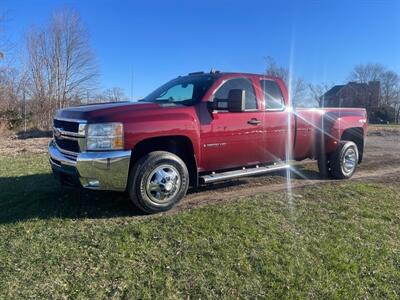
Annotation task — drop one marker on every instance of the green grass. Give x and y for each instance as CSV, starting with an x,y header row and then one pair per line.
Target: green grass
x,y
332,241
384,126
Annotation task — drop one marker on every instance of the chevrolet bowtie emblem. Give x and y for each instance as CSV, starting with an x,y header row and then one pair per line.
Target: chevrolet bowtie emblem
x,y
57,132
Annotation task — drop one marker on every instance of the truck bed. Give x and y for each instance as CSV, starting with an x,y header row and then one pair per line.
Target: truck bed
x,y
319,129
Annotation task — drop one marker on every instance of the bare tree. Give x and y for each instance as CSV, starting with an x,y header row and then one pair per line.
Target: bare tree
x,y
7,78
274,70
389,84
3,42
391,95
317,91
299,93
298,86
114,94
61,63
12,83
367,72
390,87
397,111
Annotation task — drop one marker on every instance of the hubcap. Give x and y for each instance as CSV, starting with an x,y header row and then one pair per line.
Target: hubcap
x,y
349,161
163,184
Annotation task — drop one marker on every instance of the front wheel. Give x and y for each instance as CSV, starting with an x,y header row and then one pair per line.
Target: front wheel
x,y
158,181
343,162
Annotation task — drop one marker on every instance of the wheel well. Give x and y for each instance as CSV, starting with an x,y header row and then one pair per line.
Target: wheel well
x,y
355,135
179,145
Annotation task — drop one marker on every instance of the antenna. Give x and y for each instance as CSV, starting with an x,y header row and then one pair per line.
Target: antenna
x,y
131,83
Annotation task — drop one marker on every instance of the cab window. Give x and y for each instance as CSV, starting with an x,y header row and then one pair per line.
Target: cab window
x,y
272,95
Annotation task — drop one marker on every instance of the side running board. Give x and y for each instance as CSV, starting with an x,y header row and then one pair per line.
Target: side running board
x,y
242,173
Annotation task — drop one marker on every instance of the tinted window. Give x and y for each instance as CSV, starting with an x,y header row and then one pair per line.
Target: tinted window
x,y
179,92
272,95
242,84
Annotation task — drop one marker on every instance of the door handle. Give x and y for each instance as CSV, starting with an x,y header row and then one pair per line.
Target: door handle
x,y
253,122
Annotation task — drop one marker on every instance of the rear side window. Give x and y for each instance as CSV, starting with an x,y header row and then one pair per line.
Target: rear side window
x,y
272,95
242,84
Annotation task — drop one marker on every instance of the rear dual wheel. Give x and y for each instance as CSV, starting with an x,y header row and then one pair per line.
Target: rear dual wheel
x,y
340,164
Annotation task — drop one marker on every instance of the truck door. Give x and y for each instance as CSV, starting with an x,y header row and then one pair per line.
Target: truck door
x,y
278,123
233,139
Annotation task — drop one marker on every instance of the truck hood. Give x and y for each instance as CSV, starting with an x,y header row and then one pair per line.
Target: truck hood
x,y
105,112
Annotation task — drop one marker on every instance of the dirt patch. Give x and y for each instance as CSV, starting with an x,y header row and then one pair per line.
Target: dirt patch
x,y
12,146
381,164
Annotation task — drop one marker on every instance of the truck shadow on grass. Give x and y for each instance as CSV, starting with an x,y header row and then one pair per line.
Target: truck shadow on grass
x,y
40,196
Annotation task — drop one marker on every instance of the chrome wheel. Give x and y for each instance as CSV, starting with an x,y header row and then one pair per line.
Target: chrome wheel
x,y
163,183
349,161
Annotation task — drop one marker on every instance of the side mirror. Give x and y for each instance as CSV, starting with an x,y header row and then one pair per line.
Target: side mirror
x,y
234,103
218,104
236,100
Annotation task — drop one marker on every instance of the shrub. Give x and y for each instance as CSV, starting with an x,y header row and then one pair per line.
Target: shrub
x,y
13,119
385,112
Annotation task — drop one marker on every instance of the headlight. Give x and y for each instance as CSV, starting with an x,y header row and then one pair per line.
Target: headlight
x,y
107,136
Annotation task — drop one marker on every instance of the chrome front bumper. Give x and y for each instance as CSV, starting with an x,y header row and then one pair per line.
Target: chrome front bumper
x,y
93,170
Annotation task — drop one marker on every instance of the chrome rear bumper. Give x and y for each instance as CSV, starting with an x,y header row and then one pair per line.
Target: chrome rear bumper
x,y
93,170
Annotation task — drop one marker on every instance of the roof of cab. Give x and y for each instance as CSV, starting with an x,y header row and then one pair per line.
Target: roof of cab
x,y
218,74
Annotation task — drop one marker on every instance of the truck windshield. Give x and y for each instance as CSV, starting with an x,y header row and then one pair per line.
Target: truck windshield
x,y
183,90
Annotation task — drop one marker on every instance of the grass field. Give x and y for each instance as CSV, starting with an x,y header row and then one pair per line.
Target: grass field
x,y
391,129
332,241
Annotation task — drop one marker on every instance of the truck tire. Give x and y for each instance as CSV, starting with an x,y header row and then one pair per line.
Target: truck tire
x,y
344,160
158,181
324,167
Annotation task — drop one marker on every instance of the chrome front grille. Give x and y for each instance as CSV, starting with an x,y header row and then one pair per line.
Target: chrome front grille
x,y
67,144
69,136
68,126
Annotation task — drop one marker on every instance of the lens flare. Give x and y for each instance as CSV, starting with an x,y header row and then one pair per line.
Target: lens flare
x,y
289,140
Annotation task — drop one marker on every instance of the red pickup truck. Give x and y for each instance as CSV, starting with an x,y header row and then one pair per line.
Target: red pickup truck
x,y
199,129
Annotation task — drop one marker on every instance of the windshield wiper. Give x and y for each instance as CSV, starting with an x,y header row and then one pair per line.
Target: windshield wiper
x,y
164,100
183,102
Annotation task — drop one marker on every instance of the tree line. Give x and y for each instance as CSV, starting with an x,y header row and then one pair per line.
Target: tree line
x,y
305,94
58,69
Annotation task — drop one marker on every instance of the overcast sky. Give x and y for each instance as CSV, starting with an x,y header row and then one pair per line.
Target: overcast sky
x,y
159,40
